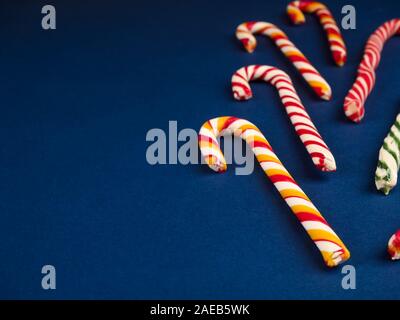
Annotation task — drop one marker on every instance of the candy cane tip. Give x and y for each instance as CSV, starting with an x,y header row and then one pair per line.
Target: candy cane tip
x,y
394,246
354,110
250,48
244,96
249,43
216,164
337,257
296,16
296,20
386,191
326,95
328,164
340,58
323,90
384,184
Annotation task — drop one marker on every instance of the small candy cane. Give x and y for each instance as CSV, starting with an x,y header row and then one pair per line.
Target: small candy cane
x,y
362,87
295,11
331,247
305,129
389,160
244,33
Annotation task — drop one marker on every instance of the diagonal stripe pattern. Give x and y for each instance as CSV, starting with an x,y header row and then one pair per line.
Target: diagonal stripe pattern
x,y
305,128
389,160
329,244
244,33
365,81
337,46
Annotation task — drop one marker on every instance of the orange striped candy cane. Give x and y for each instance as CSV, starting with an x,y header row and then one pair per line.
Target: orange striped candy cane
x,y
244,33
295,11
331,247
305,128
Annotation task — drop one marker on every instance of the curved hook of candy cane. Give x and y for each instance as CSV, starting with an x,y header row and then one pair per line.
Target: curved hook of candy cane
x,y
305,128
337,46
244,33
329,244
365,81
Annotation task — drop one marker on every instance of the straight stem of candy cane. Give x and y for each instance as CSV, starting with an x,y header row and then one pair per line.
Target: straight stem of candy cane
x,y
365,81
305,128
389,160
337,46
329,244
244,33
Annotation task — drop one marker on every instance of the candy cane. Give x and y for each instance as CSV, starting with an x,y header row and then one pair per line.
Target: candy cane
x,y
295,11
394,246
331,247
389,160
306,130
244,33
362,87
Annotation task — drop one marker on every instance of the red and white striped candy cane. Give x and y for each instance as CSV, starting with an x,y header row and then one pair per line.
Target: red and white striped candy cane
x,y
295,11
244,33
329,244
362,87
306,130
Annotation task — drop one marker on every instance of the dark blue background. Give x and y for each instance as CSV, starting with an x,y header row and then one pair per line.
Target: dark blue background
x,y
77,192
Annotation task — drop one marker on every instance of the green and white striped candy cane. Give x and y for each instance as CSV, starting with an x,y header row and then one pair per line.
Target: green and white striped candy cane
x,y
389,159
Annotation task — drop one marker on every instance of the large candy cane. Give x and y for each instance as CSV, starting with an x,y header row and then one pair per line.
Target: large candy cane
x,y
355,99
331,247
295,11
306,130
244,33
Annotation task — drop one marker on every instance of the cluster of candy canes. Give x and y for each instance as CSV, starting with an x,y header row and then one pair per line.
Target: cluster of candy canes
x,y
244,33
355,99
389,154
331,247
306,130
295,11
389,159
